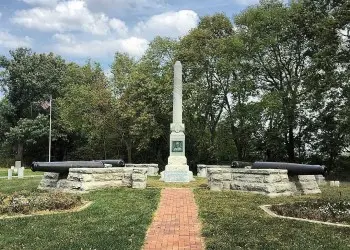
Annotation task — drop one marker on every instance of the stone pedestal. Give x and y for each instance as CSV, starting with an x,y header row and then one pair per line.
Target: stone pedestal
x,y
177,173
270,182
177,169
86,179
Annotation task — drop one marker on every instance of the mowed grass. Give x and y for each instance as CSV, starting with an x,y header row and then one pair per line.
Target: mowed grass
x,y
155,182
118,219
27,172
233,220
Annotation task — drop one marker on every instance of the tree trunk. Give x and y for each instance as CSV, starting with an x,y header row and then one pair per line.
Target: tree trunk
x,y
239,150
129,147
290,145
104,149
19,153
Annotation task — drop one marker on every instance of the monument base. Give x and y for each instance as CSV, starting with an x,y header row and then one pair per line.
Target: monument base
x,y
177,160
176,173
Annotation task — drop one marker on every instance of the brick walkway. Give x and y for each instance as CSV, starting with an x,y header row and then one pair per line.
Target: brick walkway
x,y
175,225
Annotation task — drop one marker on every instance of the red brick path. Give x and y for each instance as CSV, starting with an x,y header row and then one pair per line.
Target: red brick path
x,y
175,225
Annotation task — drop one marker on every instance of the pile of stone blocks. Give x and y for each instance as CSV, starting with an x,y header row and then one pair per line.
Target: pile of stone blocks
x,y
270,182
152,169
86,179
202,170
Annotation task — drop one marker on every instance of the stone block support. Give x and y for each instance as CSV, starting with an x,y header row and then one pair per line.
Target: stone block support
x,y
270,182
86,179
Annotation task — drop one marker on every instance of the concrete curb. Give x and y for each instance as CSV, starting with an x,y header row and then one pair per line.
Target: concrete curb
x,y
16,177
266,208
40,213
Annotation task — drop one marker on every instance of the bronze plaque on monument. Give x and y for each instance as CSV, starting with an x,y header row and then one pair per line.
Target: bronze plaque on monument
x,y
177,146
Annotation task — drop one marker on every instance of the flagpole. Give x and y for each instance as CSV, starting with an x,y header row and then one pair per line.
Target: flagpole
x,y
50,129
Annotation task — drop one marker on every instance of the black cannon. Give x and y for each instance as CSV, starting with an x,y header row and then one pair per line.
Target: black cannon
x,y
64,166
114,163
293,168
240,164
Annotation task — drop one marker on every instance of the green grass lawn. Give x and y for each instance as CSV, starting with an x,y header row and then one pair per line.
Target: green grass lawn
x,y
233,220
27,172
118,219
154,182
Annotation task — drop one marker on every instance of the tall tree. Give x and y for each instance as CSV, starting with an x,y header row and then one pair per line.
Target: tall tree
x,y
29,78
86,112
143,91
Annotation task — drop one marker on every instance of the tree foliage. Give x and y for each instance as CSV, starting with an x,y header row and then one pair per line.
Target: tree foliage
x,y
271,84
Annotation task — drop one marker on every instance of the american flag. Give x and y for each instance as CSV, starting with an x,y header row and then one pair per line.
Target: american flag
x,y
45,104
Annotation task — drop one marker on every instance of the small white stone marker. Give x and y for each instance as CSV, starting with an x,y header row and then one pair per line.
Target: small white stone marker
x,y
18,164
21,173
9,174
334,183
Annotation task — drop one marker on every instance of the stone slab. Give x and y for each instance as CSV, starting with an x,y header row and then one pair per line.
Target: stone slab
x,y
177,168
202,169
85,179
177,176
97,170
9,174
270,182
18,164
152,168
177,160
20,173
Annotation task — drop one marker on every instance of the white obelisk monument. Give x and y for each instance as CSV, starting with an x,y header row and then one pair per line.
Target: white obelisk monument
x,y
177,169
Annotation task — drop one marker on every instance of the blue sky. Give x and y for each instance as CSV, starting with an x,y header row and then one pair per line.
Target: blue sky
x,y
96,29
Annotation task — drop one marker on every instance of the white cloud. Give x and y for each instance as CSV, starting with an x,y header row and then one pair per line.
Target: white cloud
x,y
101,48
10,41
65,16
0,14
133,42
64,38
41,2
119,26
172,24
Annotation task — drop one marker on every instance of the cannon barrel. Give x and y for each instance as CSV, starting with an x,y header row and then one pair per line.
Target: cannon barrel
x,y
240,164
114,163
64,166
293,168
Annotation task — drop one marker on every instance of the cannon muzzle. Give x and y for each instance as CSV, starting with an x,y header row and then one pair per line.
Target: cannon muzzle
x,y
241,164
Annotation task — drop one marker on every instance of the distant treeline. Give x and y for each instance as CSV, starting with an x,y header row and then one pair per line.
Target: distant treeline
x,y
272,84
